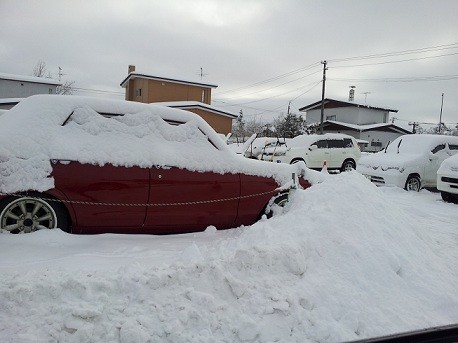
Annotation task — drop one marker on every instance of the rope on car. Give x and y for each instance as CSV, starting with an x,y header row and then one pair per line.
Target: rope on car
x,y
78,202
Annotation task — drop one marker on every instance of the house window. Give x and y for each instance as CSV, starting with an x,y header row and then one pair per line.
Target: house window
x,y
138,92
333,117
203,96
376,144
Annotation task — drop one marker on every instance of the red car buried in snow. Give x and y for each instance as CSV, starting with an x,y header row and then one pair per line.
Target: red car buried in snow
x,y
88,165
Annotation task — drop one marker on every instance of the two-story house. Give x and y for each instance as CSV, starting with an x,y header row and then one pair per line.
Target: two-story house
x,y
191,96
365,123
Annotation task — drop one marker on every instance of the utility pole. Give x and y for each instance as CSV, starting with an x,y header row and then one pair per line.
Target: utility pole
x,y
289,106
414,126
322,95
440,117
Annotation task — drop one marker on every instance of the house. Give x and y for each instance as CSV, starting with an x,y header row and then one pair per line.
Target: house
x,y
192,96
364,122
13,88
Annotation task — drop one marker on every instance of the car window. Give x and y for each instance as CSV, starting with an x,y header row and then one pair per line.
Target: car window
x,y
438,148
348,143
321,144
453,146
335,143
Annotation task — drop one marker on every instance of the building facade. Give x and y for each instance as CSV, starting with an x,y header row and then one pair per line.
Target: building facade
x,y
365,123
20,86
173,92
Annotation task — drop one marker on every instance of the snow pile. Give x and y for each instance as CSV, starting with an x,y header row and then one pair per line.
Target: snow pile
x,y
32,134
342,262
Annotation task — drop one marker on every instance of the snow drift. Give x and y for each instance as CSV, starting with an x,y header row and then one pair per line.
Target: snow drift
x,y
341,263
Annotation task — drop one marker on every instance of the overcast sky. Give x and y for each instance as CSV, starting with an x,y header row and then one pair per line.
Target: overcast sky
x,y
262,54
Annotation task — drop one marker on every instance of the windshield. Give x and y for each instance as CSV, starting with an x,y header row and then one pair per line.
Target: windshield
x,y
411,144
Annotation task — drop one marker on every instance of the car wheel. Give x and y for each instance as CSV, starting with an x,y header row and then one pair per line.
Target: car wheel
x,y
447,197
413,183
31,213
278,202
297,160
348,165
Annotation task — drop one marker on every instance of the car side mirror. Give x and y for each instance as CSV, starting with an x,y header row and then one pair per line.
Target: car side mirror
x,y
313,147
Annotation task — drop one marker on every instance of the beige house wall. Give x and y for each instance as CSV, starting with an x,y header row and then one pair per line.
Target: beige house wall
x,y
147,91
219,123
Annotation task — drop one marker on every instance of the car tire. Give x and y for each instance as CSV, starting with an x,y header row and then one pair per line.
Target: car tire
x,y
297,160
348,165
413,183
278,202
448,197
32,212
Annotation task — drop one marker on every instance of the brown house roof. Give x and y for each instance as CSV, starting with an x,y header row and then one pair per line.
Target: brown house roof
x,y
167,79
331,103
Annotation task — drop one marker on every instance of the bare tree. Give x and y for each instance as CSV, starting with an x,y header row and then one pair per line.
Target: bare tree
x,y
66,88
41,70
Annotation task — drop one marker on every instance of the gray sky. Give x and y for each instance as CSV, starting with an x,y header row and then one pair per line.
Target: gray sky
x,y
261,53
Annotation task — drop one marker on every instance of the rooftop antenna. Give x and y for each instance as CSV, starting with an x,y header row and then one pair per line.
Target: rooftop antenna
x,y
60,74
201,73
365,97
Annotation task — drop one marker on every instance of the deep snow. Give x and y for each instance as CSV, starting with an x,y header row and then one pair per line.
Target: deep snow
x,y
345,261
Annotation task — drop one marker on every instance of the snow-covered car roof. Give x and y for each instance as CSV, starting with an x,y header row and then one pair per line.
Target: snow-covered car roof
x,y
306,140
42,128
419,143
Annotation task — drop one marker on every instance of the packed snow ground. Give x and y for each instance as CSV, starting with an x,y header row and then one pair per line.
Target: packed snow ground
x,y
345,261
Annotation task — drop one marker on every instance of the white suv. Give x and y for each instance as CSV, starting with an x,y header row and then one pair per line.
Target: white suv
x,y
338,150
447,178
410,161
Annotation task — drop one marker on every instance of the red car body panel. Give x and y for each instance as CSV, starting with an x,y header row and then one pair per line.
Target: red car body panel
x,y
86,185
186,201
157,200
101,199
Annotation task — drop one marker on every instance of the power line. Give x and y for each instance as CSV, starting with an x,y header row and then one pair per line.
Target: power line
x,y
401,79
91,90
310,66
399,53
282,84
397,61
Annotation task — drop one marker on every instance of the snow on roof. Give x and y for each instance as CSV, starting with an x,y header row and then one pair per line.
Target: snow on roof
x,y
157,77
339,103
367,127
42,128
33,79
418,143
185,105
306,140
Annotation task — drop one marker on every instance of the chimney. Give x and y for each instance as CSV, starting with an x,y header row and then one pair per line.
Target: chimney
x,y
131,69
351,95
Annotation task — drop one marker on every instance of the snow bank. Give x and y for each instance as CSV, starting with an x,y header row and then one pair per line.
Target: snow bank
x,y
343,262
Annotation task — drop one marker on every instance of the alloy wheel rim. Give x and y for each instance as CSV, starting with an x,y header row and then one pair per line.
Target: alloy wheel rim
x,y
26,215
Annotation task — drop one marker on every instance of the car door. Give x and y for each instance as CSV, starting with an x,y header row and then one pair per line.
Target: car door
x,y
336,152
317,156
437,155
107,197
183,201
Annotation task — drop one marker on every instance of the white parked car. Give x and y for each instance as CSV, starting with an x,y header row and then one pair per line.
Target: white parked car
x,y
447,179
410,161
338,150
